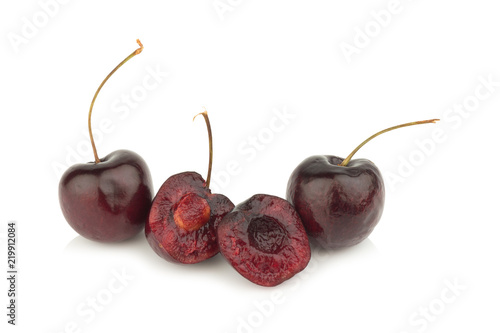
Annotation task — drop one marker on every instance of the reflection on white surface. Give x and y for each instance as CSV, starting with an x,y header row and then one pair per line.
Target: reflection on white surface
x,y
137,249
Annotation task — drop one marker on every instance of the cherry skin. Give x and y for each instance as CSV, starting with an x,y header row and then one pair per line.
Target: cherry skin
x,y
107,200
264,240
185,214
340,201
338,205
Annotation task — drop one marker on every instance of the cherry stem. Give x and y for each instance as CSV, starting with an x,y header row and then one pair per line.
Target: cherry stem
x,y
210,146
133,54
348,158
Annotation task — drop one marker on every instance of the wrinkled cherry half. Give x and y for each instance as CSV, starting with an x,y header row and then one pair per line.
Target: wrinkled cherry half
x,y
264,240
185,214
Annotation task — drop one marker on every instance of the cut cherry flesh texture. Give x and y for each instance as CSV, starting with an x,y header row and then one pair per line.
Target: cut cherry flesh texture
x,y
264,240
176,243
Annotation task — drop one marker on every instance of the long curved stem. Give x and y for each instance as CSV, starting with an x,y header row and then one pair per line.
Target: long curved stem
x,y
210,146
133,54
348,158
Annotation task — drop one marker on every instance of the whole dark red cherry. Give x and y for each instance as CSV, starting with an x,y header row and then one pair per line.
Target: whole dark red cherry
x,y
107,200
340,201
264,240
185,214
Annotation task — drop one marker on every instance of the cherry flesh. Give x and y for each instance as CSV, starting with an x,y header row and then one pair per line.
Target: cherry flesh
x,y
184,217
185,214
264,240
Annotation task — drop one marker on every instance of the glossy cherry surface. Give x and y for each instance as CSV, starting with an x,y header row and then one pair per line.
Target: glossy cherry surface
x,y
339,206
108,201
340,201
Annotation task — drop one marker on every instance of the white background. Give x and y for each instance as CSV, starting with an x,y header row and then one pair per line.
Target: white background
x,y
260,58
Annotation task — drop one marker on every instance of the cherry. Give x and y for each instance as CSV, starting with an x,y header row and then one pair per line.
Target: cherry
x,y
109,199
185,214
264,240
339,200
